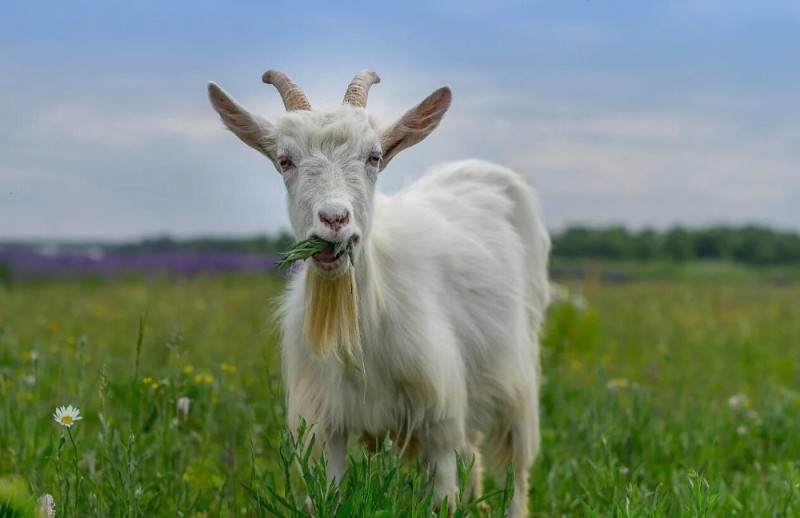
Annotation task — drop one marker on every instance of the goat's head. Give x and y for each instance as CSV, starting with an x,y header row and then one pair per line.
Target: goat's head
x,y
329,160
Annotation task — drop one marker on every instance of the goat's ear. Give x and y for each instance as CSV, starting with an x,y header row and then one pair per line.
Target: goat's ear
x,y
253,130
416,124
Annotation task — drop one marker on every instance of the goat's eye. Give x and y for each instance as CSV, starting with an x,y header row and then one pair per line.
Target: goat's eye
x,y
374,159
285,163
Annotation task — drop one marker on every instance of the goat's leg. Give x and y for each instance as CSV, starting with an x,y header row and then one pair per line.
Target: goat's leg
x,y
333,444
337,448
440,444
472,454
525,440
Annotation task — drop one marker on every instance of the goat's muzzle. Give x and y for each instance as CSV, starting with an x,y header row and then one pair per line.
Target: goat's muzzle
x,y
334,260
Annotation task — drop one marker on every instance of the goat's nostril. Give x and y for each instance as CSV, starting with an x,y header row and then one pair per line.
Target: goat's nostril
x,y
335,220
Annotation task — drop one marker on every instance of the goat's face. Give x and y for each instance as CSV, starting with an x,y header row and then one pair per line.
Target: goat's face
x,y
330,160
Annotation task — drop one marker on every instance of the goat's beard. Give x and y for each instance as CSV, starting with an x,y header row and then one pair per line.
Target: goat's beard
x,y
332,316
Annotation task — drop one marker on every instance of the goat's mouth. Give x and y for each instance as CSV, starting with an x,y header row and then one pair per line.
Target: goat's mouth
x,y
327,257
333,256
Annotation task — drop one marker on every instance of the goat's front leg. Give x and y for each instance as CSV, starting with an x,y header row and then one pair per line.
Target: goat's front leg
x,y
440,444
337,448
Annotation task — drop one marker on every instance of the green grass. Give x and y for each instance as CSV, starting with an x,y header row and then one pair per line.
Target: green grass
x,y
302,250
695,270
662,398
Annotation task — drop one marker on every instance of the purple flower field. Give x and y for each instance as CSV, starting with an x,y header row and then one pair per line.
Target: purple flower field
x,y
19,264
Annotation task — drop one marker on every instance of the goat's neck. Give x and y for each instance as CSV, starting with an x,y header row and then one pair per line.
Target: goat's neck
x,y
368,283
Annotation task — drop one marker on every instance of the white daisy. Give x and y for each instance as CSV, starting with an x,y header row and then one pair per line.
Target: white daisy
x,y
738,401
67,415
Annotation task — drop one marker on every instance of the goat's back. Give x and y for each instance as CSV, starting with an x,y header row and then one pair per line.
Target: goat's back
x,y
475,201
470,231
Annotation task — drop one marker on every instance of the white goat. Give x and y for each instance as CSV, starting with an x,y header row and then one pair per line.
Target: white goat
x,y
430,336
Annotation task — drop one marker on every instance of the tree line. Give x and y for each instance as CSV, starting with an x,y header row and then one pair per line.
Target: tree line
x,y
752,245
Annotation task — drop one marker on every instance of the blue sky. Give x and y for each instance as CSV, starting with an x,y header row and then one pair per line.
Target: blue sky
x,y
642,113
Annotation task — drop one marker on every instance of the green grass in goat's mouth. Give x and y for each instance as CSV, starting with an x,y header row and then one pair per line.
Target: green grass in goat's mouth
x,y
304,249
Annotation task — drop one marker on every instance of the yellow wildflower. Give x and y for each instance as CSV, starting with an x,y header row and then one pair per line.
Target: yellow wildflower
x,y
618,383
204,378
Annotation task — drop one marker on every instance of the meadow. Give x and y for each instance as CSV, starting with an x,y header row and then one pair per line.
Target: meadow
x,y
659,398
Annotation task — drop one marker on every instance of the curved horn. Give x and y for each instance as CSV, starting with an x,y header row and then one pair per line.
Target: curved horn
x,y
293,97
358,89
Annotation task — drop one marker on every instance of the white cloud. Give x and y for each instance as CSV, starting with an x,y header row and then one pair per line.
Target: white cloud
x,y
86,124
611,159
105,172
